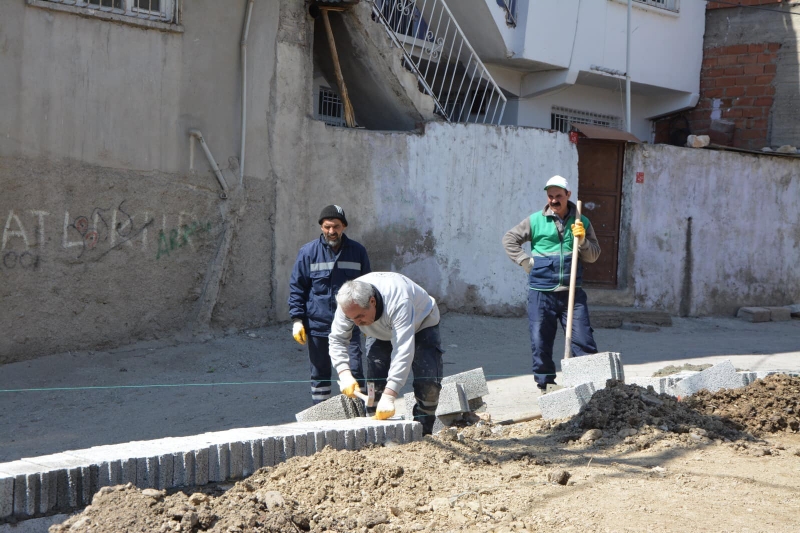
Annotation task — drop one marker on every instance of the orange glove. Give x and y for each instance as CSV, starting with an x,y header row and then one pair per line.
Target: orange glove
x,y
299,332
385,408
348,384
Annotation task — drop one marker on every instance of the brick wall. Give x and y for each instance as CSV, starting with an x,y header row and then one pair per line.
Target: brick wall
x,y
736,97
717,5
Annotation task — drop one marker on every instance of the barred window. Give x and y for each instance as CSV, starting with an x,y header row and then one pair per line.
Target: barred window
x,y
330,109
157,10
560,117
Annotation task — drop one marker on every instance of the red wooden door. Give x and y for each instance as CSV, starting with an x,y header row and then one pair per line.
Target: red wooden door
x,y
600,187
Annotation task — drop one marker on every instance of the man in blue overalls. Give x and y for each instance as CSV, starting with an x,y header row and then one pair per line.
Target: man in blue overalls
x,y
321,268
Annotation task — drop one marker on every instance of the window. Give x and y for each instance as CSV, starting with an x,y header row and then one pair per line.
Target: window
x,y
330,109
154,10
560,117
670,5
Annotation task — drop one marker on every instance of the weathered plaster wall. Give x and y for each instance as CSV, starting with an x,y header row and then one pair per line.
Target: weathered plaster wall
x,y
112,227
742,246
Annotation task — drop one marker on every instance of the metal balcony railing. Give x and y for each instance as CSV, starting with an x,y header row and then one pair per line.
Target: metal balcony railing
x,y
436,50
511,11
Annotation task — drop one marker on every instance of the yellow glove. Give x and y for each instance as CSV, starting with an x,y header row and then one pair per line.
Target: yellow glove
x,y
348,384
579,231
385,407
299,332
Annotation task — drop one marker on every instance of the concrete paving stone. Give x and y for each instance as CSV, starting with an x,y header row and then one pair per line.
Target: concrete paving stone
x,y
779,314
74,488
794,310
754,314
361,438
33,490
224,454
6,495
416,431
288,447
213,463
319,441
747,377
268,451
90,477
128,469
410,402
178,470
251,457
473,381
237,460
48,482
720,376
350,439
444,421
334,408
389,432
408,433
332,438
452,400
62,490
477,405
566,402
660,385
166,467
201,466
595,368
300,444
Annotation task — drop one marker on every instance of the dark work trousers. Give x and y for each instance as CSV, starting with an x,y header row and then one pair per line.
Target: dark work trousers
x,y
321,373
545,311
426,367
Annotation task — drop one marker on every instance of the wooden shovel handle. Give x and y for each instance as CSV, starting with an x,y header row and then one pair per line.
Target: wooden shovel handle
x,y
573,273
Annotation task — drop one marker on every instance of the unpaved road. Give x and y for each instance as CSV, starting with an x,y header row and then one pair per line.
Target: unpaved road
x,y
653,464
165,388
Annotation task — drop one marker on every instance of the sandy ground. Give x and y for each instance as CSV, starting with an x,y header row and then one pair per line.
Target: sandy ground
x,y
258,377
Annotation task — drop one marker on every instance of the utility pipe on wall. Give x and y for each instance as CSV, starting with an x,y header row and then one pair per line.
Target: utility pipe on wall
x,y
245,31
211,161
628,73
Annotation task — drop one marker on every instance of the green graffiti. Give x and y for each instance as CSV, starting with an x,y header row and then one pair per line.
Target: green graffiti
x,y
179,237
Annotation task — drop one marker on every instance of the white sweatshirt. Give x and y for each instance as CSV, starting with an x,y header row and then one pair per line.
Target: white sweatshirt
x,y
407,309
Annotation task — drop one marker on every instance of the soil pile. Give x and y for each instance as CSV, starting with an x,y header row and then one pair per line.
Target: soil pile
x,y
657,456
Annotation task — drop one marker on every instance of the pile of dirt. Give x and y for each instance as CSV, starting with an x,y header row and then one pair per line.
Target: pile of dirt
x,y
673,369
765,406
533,476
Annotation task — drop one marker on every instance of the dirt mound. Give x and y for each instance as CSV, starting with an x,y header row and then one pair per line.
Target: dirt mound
x,y
620,408
535,476
765,406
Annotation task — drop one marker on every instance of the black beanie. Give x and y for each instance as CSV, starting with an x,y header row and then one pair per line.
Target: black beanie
x,y
332,211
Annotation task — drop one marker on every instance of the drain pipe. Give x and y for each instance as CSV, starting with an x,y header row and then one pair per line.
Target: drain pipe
x,y
245,31
220,178
628,72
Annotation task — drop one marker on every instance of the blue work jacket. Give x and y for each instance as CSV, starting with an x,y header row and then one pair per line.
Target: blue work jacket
x,y
317,276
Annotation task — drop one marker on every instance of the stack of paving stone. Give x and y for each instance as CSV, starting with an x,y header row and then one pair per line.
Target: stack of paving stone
x,y
583,376
461,394
766,314
51,484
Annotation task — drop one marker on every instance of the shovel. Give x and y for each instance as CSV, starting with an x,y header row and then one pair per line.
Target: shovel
x,y
573,273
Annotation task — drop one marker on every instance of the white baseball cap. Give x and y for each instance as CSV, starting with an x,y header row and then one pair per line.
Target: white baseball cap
x,y
557,181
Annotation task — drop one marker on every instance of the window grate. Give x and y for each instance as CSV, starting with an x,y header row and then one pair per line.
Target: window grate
x,y
560,117
670,5
160,10
330,109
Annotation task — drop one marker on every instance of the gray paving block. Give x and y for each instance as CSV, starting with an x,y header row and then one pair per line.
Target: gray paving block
x,y
289,442
747,377
32,494
201,466
166,467
408,433
319,441
128,468
794,310
74,488
566,402
389,432
361,438
6,495
48,493
410,402
90,476
444,421
332,439
452,400
660,385
178,470
720,376
779,314
334,408
252,457
213,463
595,368
473,381
237,460
754,314
477,405
416,431
268,451
350,439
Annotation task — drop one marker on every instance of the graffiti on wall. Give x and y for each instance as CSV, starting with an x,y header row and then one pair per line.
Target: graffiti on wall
x,y
91,235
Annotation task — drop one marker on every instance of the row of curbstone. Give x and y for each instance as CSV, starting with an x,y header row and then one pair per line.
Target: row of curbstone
x,y
583,376
66,481
460,395
767,314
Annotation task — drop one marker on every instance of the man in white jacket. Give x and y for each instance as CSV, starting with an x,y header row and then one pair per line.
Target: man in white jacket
x,y
401,322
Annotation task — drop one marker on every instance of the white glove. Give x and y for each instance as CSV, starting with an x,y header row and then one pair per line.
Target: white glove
x,y
527,264
348,384
385,407
299,331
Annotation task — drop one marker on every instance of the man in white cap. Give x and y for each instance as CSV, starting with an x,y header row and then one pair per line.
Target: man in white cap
x,y
550,232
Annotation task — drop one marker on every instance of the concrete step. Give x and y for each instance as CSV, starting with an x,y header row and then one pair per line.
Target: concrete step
x,y
612,297
604,316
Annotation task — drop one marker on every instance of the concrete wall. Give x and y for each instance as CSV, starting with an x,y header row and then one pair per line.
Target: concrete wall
x,y
112,222
711,231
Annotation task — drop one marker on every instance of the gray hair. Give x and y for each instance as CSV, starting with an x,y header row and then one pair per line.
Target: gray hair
x,y
354,292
